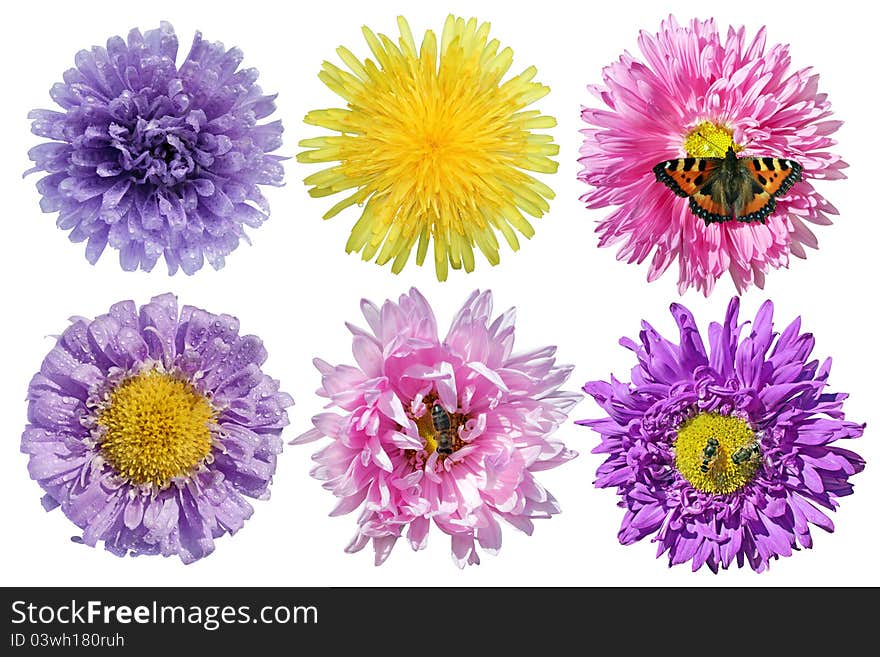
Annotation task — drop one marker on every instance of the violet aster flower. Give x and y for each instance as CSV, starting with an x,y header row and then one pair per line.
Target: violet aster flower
x,y
449,433
697,95
727,455
150,427
158,160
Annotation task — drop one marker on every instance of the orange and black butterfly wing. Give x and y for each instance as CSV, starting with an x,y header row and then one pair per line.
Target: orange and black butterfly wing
x,y
691,178
771,177
717,190
686,175
707,208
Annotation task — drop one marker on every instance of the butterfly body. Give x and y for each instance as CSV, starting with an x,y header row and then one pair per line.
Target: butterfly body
x,y
729,188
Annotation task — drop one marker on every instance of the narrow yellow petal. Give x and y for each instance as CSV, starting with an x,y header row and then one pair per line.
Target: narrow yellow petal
x,y
424,241
359,197
406,36
441,262
352,62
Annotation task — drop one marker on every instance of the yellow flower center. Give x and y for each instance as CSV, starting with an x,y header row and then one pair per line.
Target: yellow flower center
x,y
156,427
710,140
717,453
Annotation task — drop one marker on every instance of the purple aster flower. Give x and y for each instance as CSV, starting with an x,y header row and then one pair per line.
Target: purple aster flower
x,y
150,427
727,455
157,160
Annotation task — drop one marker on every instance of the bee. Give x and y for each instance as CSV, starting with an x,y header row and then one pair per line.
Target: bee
x,y
710,453
746,453
443,429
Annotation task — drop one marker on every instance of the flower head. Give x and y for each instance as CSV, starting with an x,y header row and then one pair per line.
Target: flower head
x,y
157,160
446,432
434,145
150,427
697,95
726,455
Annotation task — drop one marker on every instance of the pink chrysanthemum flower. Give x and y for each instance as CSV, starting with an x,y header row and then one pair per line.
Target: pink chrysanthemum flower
x,y
697,95
446,431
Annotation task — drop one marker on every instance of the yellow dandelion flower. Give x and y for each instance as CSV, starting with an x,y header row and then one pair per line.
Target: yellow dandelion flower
x,y
435,145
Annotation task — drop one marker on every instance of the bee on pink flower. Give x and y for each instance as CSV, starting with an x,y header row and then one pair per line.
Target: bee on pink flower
x,y
437,432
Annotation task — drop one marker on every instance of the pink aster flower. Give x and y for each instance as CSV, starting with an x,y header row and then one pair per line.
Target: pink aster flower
x,y
446,432
696,95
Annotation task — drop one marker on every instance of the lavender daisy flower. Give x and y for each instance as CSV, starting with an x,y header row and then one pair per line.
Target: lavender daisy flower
x,y
150,427
157,160
727,455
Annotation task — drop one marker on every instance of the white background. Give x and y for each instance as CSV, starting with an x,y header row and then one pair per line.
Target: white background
x,y
295,287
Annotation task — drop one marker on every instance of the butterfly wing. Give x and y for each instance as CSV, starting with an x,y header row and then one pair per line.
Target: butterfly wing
x,y
708,209
692,178
743,189
686,175
771,177
775,175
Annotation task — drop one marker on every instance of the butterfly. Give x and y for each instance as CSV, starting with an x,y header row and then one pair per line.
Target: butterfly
x,y
721,189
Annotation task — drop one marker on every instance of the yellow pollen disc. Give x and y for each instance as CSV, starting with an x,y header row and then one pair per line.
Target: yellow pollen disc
x,y
433,145
156,427
710,140
722,475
